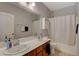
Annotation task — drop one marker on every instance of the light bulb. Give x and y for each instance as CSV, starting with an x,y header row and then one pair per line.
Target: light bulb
x,y
33,4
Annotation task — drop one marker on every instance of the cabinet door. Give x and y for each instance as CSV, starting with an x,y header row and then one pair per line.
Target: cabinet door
x,y
39,49
39,54
44,49
32,53
44,53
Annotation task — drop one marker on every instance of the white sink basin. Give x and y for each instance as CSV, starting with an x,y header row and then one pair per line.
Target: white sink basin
x,y
16,49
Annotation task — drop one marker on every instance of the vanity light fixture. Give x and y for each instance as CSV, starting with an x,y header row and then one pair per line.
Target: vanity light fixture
x,y
32,4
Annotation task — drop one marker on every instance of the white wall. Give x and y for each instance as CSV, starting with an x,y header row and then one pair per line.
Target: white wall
x,y
39,8
64,11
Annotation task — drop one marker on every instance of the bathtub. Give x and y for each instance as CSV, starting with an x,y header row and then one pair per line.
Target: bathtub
x,y
65,48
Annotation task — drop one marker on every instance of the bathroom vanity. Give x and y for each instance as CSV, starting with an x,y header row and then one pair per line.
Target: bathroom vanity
x,y
33,47
39,51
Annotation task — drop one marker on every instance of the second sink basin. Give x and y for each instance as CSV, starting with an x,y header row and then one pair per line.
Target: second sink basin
x,y
16,49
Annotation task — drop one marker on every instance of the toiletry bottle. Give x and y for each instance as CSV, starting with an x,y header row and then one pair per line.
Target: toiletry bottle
x,y
10,43
5,42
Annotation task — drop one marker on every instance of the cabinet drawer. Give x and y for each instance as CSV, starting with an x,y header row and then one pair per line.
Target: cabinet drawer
x,y
32,53
45,54
39,49
39,54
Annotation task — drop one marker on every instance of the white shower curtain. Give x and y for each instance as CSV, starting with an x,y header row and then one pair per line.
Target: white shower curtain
x,y
64,29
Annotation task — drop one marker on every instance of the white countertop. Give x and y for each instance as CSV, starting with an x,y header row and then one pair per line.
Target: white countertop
x,y
32,45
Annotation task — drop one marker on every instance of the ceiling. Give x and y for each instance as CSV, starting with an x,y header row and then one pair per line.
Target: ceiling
x,y
57,5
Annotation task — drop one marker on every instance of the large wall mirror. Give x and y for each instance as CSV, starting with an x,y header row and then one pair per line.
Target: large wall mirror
x,y
6,24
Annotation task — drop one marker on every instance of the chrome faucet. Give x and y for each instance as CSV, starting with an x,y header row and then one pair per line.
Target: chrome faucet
x,y
15,42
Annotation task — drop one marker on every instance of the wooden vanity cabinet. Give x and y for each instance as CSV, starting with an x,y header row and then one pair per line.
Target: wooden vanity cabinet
x,y
44,49
39,54
39,51
32,53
